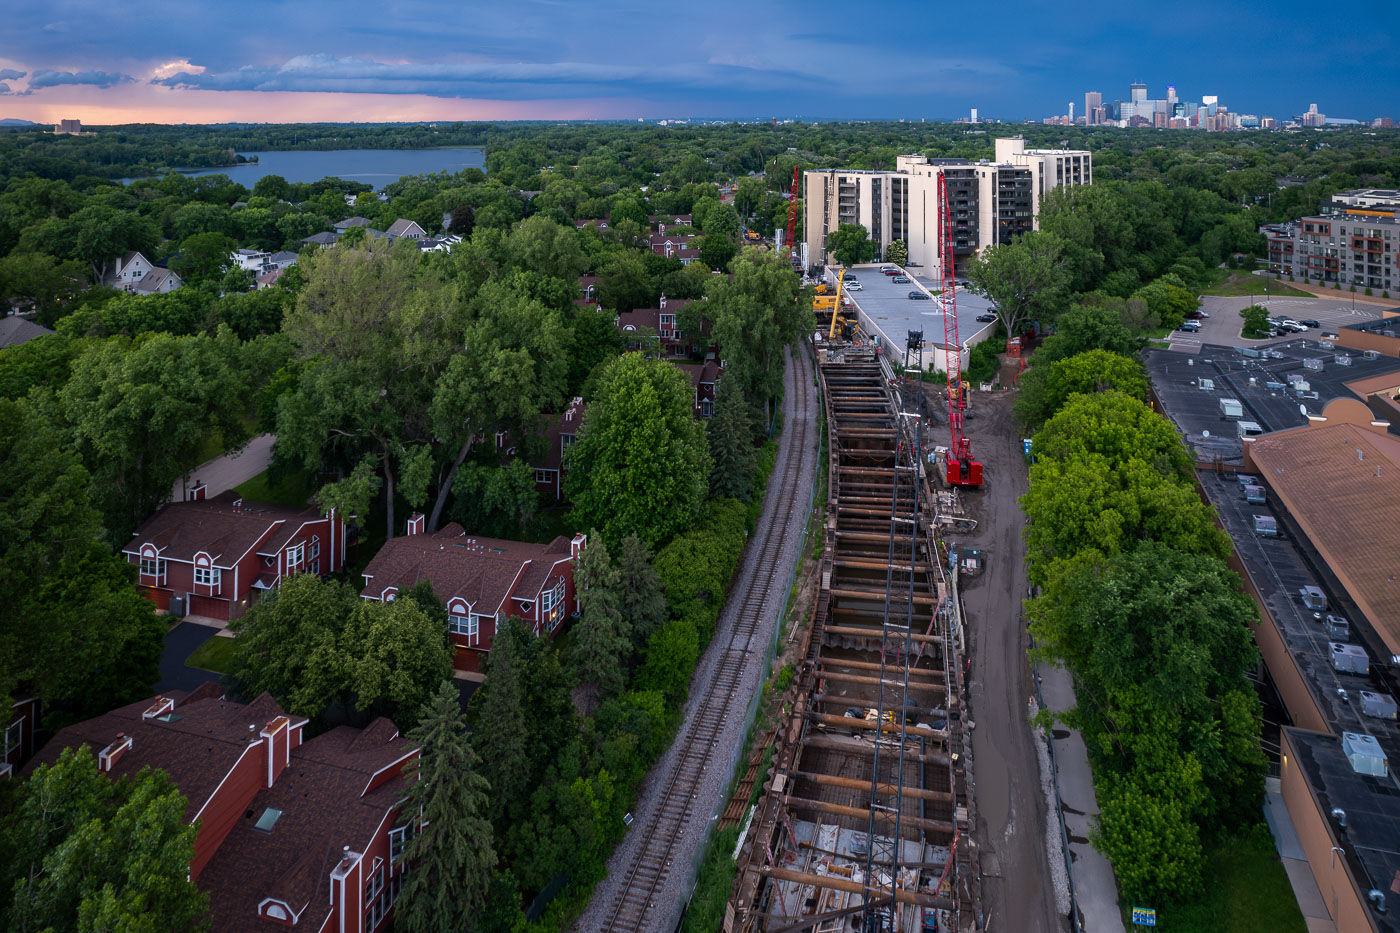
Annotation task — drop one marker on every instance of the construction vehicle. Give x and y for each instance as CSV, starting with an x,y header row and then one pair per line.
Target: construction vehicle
x,y
833,310
962,469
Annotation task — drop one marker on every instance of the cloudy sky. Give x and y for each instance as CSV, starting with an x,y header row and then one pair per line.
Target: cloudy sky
x,y
293,60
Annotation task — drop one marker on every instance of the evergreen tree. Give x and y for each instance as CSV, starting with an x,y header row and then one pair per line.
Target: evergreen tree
x,y
603,637
451,854
501,732
730,434
640,596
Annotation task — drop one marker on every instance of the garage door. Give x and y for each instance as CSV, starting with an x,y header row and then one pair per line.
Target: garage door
x,y
209,606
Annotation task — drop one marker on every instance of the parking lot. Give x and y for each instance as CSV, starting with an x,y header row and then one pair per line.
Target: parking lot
x,y
1224,324
886,309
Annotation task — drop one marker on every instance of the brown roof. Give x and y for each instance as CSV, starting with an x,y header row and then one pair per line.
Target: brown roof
x,y
478,570
197,749
707,372
225,531
1341,483
16,330
324,808
402,226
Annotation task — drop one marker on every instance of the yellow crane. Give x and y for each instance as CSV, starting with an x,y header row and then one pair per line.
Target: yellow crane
x,y
831,304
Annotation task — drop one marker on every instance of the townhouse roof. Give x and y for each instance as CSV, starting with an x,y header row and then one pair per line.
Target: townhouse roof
x,y
17,330
481,571
336,791
283,257
224,527
325,238
650,317
197,745
1341,483
680,239
706,373
349,222
402,227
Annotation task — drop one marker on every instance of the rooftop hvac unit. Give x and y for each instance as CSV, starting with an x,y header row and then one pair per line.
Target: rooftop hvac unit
x,y
1377,705
1343,359
1349,659
1326,344
1364,753
1338,629
1313,363
1313,597
1247,479
1275,354
1266,525
1274,385
1255,495
1249,352
1294,378
1370,354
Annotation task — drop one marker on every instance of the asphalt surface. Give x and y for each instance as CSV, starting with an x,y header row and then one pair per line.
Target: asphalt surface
x,y
225,472
888,309
1223,325
175,674
1013,815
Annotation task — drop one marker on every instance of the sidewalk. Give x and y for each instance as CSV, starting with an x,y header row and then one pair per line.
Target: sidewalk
x,y
1096,891
225,472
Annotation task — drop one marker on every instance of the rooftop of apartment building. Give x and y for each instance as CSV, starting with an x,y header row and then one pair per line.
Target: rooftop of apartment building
x,y
1263,381
1386,198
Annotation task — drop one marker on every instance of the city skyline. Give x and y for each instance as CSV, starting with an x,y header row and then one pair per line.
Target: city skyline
x,y
542,59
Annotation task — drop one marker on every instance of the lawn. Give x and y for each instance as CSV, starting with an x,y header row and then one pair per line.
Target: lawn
x,y
1247,890
292,491
214,655
1228,283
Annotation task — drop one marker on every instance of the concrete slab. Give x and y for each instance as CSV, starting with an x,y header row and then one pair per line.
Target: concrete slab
x,y
886,309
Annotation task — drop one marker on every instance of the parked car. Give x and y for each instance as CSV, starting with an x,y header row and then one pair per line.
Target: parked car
x,y
1190,327
918,296
986,318
854,287
900,280
1198,314
889,270
1310,323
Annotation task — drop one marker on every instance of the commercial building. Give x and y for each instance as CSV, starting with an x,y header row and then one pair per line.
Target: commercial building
x,y
1314,538
991,202
1353,241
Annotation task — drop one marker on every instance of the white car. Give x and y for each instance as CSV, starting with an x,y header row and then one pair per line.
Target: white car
x,y
854,287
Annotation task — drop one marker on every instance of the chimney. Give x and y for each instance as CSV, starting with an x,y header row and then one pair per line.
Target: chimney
x,y
278,733
576,546
110,755
196,493
416,524
663,297
160,707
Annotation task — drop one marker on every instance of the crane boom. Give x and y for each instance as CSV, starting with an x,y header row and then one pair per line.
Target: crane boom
x,y
792,217
836,306
962,469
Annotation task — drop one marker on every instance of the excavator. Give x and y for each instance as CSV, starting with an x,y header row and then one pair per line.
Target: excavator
x,y
832,314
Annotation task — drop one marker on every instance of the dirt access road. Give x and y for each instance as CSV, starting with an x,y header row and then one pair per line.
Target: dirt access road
x,y
1019,888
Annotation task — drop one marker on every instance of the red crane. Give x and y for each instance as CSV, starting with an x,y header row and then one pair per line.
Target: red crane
x,y
792,219
962,469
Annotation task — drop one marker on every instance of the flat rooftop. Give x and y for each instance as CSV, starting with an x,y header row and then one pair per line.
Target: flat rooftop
x,y
1278,568
1259,379
893,313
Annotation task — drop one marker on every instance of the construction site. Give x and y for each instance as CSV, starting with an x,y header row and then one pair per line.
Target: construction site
x,y
867,819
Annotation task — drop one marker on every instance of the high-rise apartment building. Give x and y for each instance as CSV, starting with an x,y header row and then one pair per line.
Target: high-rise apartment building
x,y
991,202
1093,103
1354,240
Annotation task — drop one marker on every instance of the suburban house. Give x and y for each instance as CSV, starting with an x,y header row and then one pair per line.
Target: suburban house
x,y
683,247
268,279
292,832
482,582
588,290
217,554
406,228
17,330
325,238
438,244
704,379
250,260
639,323
347,223
662,222
157,282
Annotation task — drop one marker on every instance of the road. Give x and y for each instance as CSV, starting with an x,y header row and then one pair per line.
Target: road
x,y
229,470
1019,888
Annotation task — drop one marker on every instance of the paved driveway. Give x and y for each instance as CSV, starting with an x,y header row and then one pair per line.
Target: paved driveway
x,y
1223,325
223,473
175,674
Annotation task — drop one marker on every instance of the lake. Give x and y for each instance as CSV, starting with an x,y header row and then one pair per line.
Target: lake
x,y
377,167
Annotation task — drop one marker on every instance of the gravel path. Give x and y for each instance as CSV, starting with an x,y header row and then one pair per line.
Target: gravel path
x,y
675,888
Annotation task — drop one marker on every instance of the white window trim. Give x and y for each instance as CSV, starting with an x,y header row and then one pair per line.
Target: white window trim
x,y
208,576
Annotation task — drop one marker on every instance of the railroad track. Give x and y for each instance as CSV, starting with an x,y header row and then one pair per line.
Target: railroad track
x,y
722,696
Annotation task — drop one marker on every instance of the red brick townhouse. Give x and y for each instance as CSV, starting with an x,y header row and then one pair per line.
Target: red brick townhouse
x,y
482,581
292,833
660,321
223,552
704,381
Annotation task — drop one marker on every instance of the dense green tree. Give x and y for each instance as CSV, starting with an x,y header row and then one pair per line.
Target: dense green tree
x,y
43,280
502,732
897,252
850,244
625,285
758,313
1256,322
1025,279
717,250
596,338
671,654
1116,427
1045,388
138,413
492,500
105,235
1168,300
641,599
203,256
451,851
82,851
602,639
1088,327
730,435
541,245
639,466
394,656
